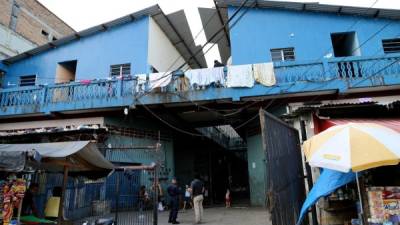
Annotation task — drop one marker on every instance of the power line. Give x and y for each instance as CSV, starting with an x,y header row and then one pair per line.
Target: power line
x,y
202,47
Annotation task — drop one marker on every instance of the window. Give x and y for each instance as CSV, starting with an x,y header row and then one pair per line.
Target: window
x,y
282,54
45,33
391,45
29,80
345,44
120,69
14,16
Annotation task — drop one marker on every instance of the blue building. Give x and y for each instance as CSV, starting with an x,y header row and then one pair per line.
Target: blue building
x,y
317,52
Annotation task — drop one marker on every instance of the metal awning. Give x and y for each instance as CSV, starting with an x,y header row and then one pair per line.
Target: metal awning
x,y
76,155
321,124
393,124
316,7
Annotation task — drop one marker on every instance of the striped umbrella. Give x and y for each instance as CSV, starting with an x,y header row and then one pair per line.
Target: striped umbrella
x,y
353,147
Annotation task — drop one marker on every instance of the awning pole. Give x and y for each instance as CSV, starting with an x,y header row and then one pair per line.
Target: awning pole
x,y
64,187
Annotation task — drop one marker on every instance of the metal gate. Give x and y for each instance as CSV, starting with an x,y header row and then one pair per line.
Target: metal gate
x,y
285,179
126,197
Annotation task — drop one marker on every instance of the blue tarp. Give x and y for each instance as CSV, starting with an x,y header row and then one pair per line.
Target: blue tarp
x,y
328,182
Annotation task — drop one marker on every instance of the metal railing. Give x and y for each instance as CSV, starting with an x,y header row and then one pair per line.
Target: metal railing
x,y
91,93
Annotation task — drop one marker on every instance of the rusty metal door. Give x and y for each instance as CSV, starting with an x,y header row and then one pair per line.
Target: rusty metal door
x,y
285,180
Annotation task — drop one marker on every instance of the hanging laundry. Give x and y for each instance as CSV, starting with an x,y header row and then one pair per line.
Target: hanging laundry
x,y
159,79
205,77
85,82
181,83
141,82
240,76
264,74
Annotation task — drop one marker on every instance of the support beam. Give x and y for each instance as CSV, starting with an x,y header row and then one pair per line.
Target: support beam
x,y
183,41
222,23
61,206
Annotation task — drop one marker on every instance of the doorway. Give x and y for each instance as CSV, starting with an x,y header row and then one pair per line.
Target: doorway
x,y
345,44
219,168
66,71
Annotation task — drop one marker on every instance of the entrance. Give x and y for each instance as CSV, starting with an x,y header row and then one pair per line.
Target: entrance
x,y
218,167
284,169
66,71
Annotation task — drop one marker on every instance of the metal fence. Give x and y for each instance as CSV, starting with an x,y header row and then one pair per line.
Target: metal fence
x,y
124,197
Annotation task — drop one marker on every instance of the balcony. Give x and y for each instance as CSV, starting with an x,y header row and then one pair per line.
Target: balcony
x,y
337,75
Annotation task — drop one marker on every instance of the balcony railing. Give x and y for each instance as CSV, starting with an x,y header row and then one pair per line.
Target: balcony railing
x,y
121,92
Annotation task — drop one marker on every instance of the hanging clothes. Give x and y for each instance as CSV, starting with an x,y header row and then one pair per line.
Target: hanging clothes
x,y
264,74
141,82
158,80
205,77
240,76
182,84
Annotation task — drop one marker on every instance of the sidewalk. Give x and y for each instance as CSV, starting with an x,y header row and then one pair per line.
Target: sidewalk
x,y
222,216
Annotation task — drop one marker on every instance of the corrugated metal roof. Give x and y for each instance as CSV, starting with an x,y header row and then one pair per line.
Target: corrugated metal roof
x,y
392,123
316,7
178,35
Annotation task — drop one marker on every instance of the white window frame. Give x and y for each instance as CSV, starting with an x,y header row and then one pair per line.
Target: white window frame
x,y
120,69
283,56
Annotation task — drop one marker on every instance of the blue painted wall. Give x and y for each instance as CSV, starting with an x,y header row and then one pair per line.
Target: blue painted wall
x,y
126,43
259,30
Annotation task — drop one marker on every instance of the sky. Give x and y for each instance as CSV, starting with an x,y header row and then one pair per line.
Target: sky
x,y
82,14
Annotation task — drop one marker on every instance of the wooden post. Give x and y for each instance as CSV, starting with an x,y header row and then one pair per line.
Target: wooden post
x,y
64,187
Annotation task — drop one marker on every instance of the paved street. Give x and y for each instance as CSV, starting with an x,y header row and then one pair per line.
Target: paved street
x,y
222,216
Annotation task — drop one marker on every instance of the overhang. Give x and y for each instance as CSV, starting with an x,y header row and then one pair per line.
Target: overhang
x,y
392,123
77,155
174,25
316,7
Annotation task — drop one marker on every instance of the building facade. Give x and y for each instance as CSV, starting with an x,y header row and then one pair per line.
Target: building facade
x,y
316,53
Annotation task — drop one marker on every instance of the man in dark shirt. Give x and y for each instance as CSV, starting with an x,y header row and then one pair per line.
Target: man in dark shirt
x,y
173,192
197,187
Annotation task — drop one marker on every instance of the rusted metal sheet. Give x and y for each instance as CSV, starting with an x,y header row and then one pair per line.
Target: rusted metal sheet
x,y
285,183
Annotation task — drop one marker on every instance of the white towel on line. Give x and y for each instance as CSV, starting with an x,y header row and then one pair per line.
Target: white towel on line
x,y
204,77
240,76
264,73
159,79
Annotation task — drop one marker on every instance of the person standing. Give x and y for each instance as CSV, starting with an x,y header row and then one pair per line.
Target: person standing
x,y
197,187
187,199
173,192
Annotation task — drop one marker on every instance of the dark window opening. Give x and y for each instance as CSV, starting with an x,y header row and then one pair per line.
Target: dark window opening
x,y
345,44
391,45
66,71
282,54
45,33
120,69
29,80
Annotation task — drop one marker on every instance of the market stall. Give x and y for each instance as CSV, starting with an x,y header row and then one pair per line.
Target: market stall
x,y
71,158
358,153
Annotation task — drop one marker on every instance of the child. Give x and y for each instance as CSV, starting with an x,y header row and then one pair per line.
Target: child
x,y
187,198
228,199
